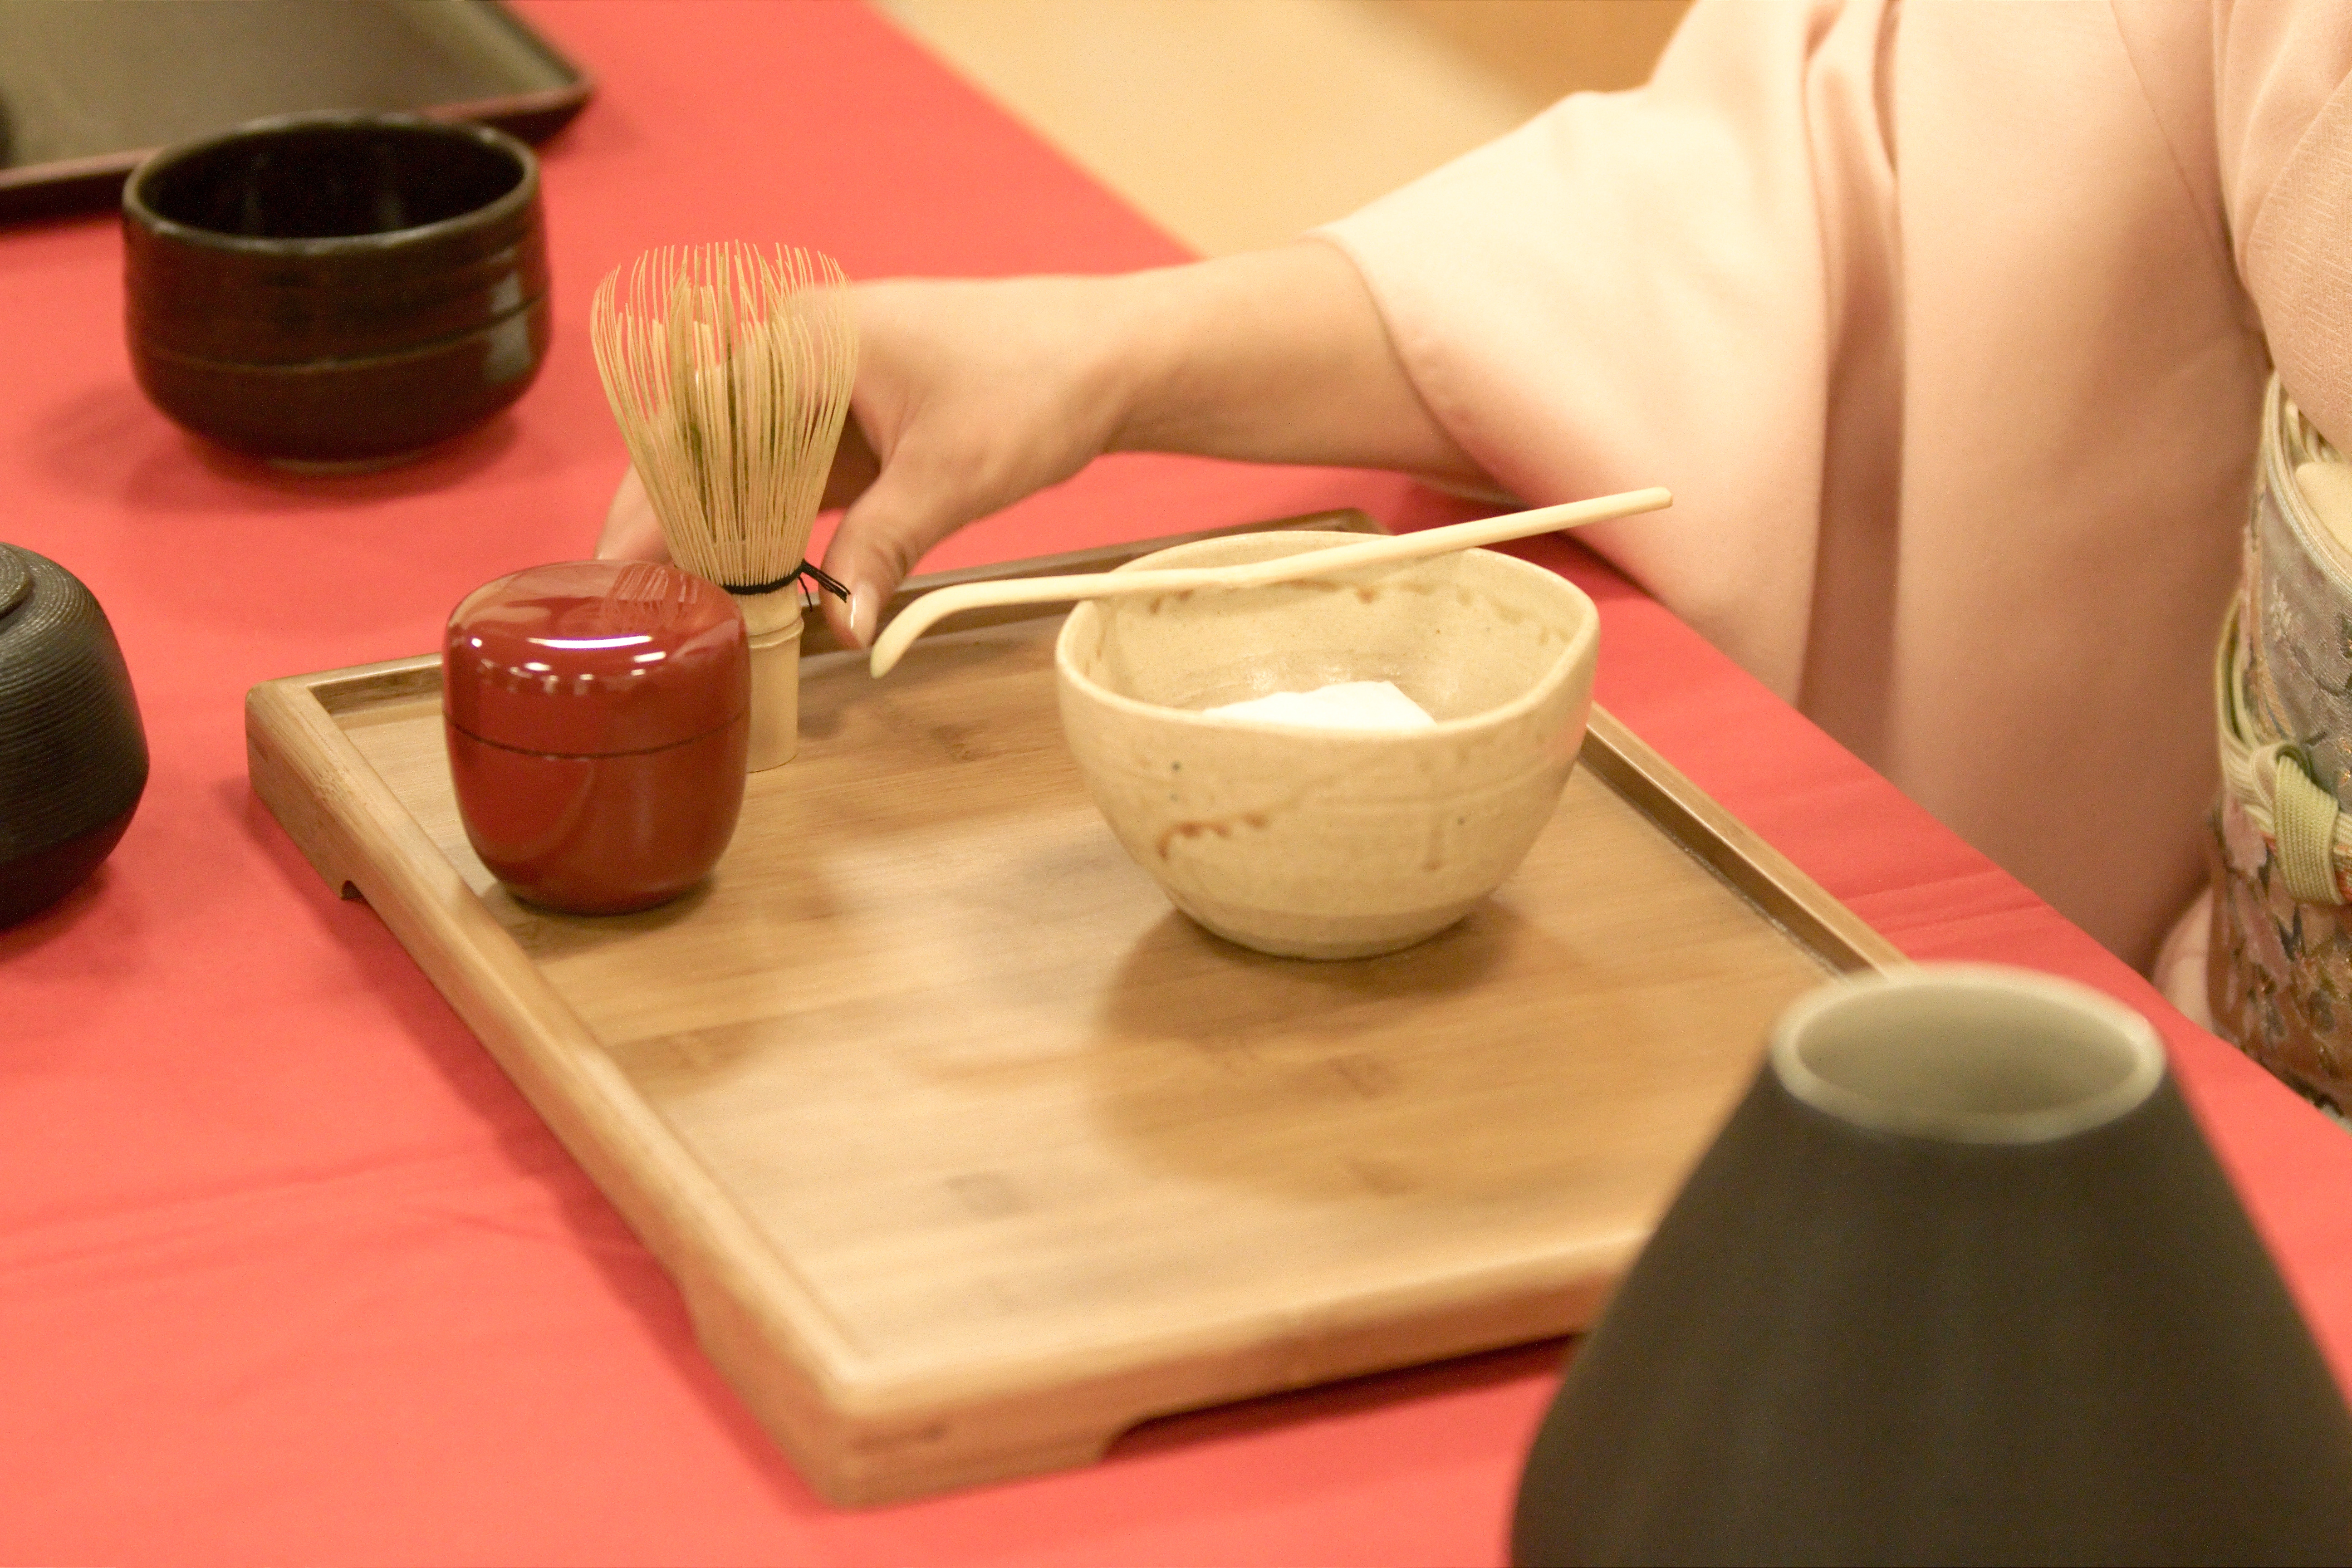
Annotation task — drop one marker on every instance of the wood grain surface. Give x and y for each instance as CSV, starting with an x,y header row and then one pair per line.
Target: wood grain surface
x,y
969,1153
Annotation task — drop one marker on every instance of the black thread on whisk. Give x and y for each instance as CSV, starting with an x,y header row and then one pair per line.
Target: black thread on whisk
x,y
825,583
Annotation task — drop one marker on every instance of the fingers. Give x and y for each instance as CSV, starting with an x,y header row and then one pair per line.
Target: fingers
x,y
888,530
969,398
631,532
854,466
846,618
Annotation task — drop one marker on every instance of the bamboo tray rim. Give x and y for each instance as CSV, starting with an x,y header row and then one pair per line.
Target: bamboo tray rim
x,y
366,843
1781,894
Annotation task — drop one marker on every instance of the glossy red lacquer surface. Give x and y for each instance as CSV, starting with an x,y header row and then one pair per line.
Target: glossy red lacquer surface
x,y
597,723
601,835
588,658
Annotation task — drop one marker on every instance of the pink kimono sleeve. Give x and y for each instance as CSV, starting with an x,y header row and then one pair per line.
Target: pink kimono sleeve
x,y
1689,285
2284,115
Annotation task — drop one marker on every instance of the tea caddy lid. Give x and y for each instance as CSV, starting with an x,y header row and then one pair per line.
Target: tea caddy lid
x,y
15,581
594,659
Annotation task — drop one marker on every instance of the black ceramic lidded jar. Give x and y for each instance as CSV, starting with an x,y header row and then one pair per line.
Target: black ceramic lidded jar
x,y
1958,1282
73,757
334,289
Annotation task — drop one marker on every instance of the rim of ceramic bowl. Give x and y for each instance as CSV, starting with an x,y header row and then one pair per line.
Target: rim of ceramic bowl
x,y
2120,1059
136,207
1587,633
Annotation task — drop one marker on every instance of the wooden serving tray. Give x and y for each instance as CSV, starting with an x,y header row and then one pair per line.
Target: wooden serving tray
x,y
969,1153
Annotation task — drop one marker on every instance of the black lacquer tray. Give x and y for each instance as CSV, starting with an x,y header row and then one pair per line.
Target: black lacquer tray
x,y
88,89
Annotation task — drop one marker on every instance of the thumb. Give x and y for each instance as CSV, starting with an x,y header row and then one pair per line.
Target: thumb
x,y
881,536
631,531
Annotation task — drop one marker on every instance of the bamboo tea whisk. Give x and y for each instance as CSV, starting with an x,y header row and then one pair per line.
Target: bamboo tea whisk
x,y
729,370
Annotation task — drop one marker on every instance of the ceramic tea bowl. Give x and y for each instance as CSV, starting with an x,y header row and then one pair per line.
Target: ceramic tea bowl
x,y
1313,843
1958,1281
336,289
73,756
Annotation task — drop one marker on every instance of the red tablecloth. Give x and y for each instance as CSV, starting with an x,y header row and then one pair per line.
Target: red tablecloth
x,y
289,1272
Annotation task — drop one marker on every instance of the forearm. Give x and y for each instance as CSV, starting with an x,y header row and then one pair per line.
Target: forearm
x,y
1270,356
974,394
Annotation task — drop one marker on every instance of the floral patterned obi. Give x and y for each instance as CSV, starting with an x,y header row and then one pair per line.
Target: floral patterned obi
x,y
2278,971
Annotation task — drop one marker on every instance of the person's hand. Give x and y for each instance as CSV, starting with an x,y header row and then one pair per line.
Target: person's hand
x,y
632,532
969,397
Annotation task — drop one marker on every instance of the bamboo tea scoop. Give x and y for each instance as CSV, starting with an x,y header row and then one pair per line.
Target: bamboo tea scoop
x,y
919,617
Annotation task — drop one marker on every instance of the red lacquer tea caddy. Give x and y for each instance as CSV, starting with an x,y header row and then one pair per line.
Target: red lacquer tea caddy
x,y
598,716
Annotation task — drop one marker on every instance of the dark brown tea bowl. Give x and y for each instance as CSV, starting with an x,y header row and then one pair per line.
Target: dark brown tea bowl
x,y
335,289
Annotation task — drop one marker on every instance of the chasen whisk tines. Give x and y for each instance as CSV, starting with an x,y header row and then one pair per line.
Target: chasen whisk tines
x,y
729,370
